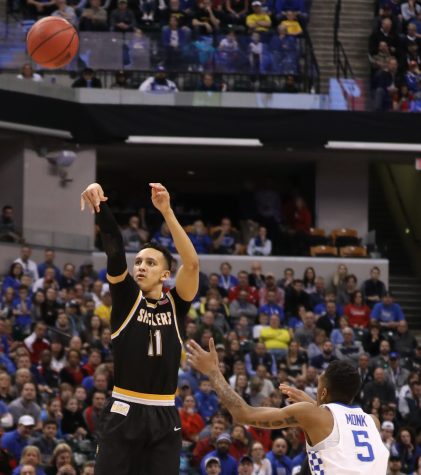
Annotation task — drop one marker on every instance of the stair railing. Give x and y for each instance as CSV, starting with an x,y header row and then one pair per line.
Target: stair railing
x,y
340,58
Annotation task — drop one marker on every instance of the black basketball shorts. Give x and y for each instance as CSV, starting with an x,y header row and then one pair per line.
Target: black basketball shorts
x,y
138,439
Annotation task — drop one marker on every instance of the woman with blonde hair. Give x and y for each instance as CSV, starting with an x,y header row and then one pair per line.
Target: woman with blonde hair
x,y
30,456
62,456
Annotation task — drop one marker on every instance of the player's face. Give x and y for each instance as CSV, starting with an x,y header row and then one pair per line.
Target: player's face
x,y
150,270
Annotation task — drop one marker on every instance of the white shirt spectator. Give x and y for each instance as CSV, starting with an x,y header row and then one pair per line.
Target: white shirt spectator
x,y
158,87
257,248
408,13
35,77
29,267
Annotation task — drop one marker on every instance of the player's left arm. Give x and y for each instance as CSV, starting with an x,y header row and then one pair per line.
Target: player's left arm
x,y
187,279
298,414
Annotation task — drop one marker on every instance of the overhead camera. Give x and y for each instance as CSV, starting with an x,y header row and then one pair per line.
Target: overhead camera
x,y
60,161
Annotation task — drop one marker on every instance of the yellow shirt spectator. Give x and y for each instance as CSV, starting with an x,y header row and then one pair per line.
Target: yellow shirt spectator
x,y
293,27
273,337
104,313
258,20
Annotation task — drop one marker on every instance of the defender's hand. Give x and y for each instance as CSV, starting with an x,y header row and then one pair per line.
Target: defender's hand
x,y
295,395
204,361
92,196
160,197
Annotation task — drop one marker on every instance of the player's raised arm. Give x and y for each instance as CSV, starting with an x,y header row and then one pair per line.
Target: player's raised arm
x,y
265,417
187,280
93,196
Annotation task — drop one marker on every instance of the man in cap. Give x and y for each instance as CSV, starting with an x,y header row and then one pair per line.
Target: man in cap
x,y
245,466
258,20
212,466
122,18
228,463
159,83
15,441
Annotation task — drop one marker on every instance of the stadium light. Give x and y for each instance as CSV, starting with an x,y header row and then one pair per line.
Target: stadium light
x,y
374,146
215,142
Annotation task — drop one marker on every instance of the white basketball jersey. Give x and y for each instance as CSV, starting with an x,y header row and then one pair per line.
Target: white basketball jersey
x,y
354,447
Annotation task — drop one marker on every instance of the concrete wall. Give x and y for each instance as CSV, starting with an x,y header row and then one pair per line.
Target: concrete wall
x,y
11,178
342,185
52,214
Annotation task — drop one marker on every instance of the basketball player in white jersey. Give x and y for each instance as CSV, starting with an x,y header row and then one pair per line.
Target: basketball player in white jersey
x,y
341,438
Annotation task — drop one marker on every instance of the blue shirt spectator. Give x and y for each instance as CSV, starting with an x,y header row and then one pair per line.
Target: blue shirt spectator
x,y
281,463
201,240
387,312
273,309
229,465
206,401
163,237
16,440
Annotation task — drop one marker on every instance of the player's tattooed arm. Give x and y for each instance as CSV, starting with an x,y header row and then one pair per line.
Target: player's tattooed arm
x,y
263,417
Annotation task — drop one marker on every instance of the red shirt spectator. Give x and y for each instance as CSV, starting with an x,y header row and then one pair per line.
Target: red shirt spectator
x,y
36,343
243,284
240,442
357,312
208,444
191,422
262,436
301,219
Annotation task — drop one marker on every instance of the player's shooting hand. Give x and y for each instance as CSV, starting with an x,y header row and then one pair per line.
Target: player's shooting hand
x,y
92,196
160,197
295,395
203,361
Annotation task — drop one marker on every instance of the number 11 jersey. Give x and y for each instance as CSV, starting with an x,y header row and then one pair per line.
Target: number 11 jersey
x,y
354,447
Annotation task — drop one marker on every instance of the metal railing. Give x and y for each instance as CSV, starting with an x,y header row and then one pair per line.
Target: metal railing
x,y
340,58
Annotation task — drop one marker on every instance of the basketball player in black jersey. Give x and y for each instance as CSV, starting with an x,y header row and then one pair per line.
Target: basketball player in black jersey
x,y
141,430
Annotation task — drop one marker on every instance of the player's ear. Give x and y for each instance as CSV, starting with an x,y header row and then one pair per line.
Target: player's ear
x,y
165,275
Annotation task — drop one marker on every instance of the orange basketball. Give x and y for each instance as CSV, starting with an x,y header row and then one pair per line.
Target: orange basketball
x,y
52,42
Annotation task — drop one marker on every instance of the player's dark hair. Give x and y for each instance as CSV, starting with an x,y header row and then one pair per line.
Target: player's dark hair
x,y
342,381
167,254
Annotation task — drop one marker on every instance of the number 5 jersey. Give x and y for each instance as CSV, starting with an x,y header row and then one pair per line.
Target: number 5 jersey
x,y
354,447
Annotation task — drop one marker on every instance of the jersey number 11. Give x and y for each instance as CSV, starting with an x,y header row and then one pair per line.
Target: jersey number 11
x,y
155,350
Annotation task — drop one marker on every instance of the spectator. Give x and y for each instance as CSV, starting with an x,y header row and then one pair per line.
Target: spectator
x,y
226,279
260,245
46,442
387,313
373,289
122,19
410,405
88,79
73,423
62,457
208,323
227,462
330,319
121,80
237,11
206,400
321,362
380,388
403,341
28,73
212,466
25,405
371,340
208,444
15,441
287,280
30,456
205,21
384,33
66,12
344,296
406,449
292,24
49,256
386,85
191,422
305,334
29,266
246,466
258,20
93,412
357,312
94,18
13,278
271,306
243,285
295,361
261,465
174,10
8,230
350,350
200,238
276,339
226,239
295,298
277,457
134,236
36,342
410,10
209,84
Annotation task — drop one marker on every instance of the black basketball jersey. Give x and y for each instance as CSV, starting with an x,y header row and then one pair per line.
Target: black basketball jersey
x,y
147,343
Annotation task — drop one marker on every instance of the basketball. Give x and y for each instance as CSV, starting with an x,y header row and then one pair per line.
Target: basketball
x,y
52,42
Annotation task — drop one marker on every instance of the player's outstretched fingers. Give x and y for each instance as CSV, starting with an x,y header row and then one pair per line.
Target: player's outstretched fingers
x,y
212,348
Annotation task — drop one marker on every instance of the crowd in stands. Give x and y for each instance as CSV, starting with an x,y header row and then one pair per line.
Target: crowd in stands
x,y
223,36
57,366
394,53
